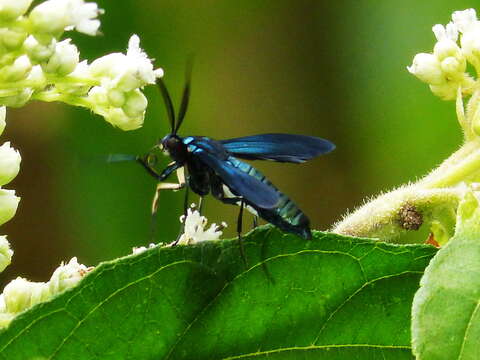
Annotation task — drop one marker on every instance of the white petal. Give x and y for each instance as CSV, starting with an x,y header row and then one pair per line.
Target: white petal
x,y
464,19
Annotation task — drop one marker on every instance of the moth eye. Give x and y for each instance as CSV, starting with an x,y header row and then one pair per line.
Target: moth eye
x,y
151,160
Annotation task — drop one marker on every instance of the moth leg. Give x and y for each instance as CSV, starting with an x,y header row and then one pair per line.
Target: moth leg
x,y
168,186
239,232
160,187
200,204
165,186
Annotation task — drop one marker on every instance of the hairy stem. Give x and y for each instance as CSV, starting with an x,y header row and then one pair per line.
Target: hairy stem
x,y
432,200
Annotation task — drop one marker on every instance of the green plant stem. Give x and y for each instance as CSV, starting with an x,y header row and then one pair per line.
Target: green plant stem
x,y
50,96
463,165
435,199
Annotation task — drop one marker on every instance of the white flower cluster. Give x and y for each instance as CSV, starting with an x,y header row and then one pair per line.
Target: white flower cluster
x,y
21,294
117,97
35,64
445,70
9,167
194,228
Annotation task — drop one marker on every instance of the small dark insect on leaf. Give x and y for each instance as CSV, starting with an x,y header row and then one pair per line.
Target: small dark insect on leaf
x,y
212,166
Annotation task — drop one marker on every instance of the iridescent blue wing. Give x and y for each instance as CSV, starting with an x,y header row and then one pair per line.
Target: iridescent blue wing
x,y
239,182
278,147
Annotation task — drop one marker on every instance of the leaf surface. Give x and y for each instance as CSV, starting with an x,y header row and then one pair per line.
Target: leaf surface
x,y
446,309
328,298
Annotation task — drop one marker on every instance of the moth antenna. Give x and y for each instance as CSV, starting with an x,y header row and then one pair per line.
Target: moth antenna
x,y
168,104
186,94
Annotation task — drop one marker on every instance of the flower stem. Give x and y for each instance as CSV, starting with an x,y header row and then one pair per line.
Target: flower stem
x,y
50,96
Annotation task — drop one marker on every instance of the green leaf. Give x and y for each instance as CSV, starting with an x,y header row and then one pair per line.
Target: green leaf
x,y
446,308
328,298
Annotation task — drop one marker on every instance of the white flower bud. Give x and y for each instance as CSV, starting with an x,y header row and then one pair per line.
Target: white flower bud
x,y
447,48
8,205
5,254
9,163
125,72
50,17
19,70
118,118
20,294
450,32
39,292
18,100
427,68
470,42
37,52
12,39
135,104
141,68
64,60
55,16
67,276
12,9
107,66
3,115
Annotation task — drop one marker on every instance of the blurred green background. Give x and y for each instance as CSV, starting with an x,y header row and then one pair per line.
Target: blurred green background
x,y
335,69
